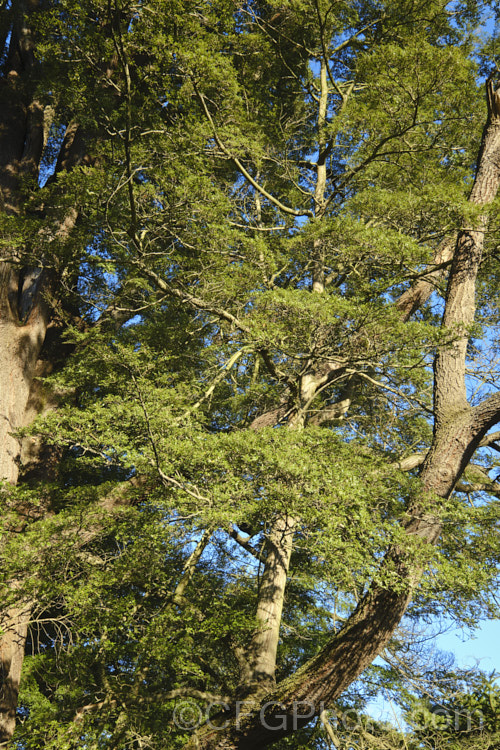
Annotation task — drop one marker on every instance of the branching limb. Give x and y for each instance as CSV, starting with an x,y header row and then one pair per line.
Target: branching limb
x,y
476,479
184,692
487,414
239,165
414,297
217,379
189,567
192,492
190,299
323,717
244,542
417,459
329,413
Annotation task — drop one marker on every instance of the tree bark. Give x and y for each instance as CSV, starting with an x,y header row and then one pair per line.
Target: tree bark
x,y
14,627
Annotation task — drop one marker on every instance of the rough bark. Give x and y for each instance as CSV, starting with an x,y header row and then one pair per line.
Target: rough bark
x,y
20,347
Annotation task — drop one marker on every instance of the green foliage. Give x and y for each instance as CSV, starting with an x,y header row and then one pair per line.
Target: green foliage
x,y
185,296
469,719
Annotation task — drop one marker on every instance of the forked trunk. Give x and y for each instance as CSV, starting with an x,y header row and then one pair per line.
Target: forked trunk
x,y
458,430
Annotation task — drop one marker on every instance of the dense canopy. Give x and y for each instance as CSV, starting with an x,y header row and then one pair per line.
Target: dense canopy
x,y
249,365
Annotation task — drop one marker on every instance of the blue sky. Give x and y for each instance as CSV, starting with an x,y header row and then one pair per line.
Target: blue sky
x,y
482,648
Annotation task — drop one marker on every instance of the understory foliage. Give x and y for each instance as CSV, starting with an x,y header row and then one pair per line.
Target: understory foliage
x,y
262,183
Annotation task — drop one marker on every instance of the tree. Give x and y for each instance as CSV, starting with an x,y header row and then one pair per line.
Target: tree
x,y
258,290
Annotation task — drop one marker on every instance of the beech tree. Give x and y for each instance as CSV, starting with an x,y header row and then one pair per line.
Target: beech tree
x,y
248,389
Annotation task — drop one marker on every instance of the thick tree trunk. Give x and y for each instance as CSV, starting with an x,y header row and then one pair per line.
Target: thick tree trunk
x,y
14,625
24,318
20,347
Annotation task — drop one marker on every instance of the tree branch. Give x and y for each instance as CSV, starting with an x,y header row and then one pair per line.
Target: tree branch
x,y
190,299
486,415
414,297
189,567
244,542
239,165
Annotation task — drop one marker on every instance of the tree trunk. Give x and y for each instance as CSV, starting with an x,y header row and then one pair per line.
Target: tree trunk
x,y
23,320
14,627
20,347
261,656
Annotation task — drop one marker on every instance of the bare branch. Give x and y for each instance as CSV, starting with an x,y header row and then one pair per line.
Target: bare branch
x,y
244,542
